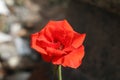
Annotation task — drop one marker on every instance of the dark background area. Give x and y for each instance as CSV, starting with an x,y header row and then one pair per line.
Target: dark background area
x,y
102,41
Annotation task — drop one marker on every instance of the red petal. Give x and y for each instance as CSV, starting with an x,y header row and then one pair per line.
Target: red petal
x,y
34,45
58,60
68,39
78,39
54,30
63,24
54,52
48,31
72,59
69,49
44,44
58,30
47,58
67,26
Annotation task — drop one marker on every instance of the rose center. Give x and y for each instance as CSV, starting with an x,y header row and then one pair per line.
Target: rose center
x,y
61,47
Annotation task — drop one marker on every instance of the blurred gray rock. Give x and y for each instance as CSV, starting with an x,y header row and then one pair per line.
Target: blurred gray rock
x,y
19,76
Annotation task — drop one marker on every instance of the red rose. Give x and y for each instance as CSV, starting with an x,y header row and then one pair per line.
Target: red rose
x,y
58,43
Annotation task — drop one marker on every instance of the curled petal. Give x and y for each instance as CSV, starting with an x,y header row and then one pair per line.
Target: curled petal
x,y
67,26
72,60
78,39
69,49
34,45
45,44
54,52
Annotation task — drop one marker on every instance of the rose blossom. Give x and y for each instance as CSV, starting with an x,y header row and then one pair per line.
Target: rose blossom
x,y
58,43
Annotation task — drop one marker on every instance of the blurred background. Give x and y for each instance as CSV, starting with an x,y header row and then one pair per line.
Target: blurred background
x,y
99,19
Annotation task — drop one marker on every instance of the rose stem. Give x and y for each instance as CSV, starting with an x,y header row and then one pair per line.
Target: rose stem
x,y
59,72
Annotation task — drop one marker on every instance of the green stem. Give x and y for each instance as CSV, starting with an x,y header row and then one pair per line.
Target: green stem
x,y
59,72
